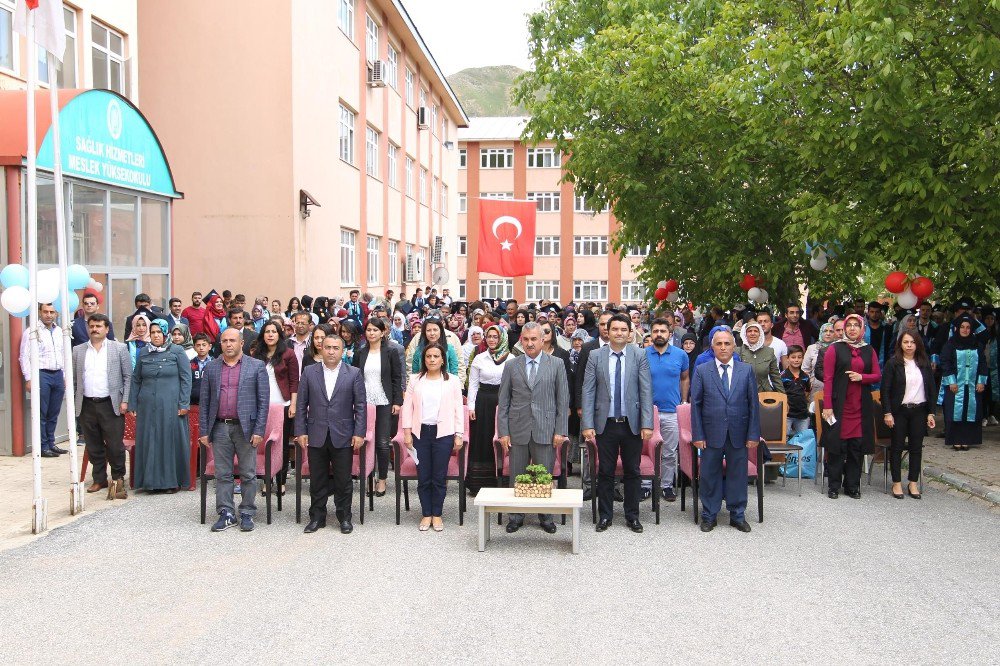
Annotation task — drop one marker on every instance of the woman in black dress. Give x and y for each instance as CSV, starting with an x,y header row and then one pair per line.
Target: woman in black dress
x,y
485,373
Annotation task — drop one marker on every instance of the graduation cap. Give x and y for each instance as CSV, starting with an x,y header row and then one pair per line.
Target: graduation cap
x,y
211,293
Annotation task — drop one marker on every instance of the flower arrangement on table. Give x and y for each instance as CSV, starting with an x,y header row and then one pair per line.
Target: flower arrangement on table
x,y
535,482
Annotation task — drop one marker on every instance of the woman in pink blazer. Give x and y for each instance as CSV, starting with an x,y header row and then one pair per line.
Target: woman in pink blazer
x,y
433,423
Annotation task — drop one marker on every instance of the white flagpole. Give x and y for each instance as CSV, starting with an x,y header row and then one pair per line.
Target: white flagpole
x,y
39,515
65,316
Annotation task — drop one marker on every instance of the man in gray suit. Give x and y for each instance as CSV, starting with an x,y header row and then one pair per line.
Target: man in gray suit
x,y
617,402
232,415
331,418
102,373
533,413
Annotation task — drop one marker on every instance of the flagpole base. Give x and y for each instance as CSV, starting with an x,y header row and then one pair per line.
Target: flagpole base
x,y
75,498
39,522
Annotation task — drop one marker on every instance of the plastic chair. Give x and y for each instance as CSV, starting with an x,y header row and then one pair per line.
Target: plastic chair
x,y
774,430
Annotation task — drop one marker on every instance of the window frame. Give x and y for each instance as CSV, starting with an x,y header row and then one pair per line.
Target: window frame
x,y
348,252
463,158
546,202
488,285
408,86
371,150
109,54
496,155
345,15
373,253
463,203
408,174
548,154
632,287
371,38
392,177
463,246
581,243
392,66
580,295
347,143
552,243
393,254
550,290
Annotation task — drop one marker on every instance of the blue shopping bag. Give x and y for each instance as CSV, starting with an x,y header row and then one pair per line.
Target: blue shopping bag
x,y
807,440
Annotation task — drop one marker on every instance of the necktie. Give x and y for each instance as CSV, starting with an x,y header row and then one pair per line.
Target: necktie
x,y
618,385
725,378
531,372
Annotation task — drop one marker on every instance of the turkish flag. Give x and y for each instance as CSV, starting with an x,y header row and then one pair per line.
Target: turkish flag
x,y
506,237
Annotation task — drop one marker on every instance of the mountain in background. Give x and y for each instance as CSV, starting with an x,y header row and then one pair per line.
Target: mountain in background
x,y
485,91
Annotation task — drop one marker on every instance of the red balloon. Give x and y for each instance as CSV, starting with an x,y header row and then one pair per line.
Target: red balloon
x,y
895,282
922,287
661,294
671,286
748,282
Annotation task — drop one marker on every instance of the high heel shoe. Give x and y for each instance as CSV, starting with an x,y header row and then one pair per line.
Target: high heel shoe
x,y
912,494
897,495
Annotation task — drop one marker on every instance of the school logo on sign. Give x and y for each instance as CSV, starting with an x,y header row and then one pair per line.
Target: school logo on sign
x,y
114,119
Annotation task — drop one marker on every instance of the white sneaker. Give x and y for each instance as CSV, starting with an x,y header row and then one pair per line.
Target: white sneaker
x,y
993,421
985,422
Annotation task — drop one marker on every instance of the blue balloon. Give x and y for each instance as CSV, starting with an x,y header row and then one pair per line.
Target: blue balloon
x,y
77,276
74,303
26,313
14,275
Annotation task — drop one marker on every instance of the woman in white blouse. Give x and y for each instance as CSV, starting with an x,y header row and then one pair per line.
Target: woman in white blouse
x,y
383,374
433,421
485,372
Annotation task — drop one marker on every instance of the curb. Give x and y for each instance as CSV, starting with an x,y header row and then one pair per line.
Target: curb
x,y
965,483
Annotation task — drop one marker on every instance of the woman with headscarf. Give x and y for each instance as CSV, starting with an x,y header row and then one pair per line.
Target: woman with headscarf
x,y
485,374
456,324
851,367
181,336
160,397
589,323
689,343
815,350
761,358
469,350
215,318
399,331
258,317
569,327
963,382
139,337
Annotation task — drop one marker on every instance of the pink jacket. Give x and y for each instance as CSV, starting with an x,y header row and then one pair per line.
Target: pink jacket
x,y
451,415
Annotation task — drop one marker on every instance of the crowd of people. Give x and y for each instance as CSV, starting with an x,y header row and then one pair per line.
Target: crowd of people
x,y
222,372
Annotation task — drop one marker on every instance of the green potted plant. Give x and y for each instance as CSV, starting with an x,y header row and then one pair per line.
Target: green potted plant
x,y
535,482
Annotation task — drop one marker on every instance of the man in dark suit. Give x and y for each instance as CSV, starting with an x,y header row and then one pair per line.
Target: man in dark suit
x,y
81,330
725,423
234,317
232,412
594,343
618,415
331,418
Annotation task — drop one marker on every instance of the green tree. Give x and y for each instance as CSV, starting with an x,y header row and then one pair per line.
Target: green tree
x,y
730,133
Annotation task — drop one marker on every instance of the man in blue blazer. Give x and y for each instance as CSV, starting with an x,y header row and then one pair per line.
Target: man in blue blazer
x,y
232,417
331,418
617,403
725,422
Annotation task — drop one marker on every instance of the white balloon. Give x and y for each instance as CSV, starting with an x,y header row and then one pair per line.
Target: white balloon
x,y
763,296
907,299
662,284
754,294
672,297
95,286
818,263
48,286
15,300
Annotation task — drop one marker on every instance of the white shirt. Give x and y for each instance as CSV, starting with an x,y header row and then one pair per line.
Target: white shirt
x,y
373,379
914,393
50,350
95,372
780,349
330,379
484,371
612,364
275,395
430,405
718,367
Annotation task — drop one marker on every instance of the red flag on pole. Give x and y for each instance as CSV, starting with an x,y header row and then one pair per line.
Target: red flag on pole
x,y
506,237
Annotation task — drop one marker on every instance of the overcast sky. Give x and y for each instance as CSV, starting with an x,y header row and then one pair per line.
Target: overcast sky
x,y
474,33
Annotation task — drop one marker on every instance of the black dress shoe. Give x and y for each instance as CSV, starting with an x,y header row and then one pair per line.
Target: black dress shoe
x,y
59,450
853,494
314,525
513,526
634,525
603,524
707,525
741,525
899,496
832,494
49,454
549,527
346,527
669,495
913,495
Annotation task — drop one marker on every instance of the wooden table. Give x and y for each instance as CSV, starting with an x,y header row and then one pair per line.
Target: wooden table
x,y
501,500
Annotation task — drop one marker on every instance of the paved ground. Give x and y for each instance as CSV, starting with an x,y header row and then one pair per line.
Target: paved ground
x,y
820,581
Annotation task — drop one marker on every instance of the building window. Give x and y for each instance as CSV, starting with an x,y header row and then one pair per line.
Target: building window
x,y
371,152
639,251
434,118
590,246
547,246
392,68
545,202
461,290
371,38
463,202
443,207
408,77
496,289
632,290
496,195
444,128
423,185
435,201
580,205
108,55
463,158
346,18
423,98
393,166
544,158
543,290
409,176
463,246
346,134
393,262
7,34
421,262
590,290
347,248
373,244
496,158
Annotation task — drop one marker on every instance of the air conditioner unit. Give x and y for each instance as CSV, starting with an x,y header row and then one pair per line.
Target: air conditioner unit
x,y
376,75
422,122
437,254
412,273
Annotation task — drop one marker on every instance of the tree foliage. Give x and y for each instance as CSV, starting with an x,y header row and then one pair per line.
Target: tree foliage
x,y
733,132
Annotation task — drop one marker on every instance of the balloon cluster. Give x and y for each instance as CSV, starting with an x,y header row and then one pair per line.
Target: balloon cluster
x,y
16,298
908,292
753,286
666,290
819,254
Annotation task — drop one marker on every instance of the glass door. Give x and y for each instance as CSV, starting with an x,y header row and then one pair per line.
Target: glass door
x,y
124,289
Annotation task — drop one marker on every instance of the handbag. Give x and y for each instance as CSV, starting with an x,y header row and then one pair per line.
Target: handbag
x,y
806,457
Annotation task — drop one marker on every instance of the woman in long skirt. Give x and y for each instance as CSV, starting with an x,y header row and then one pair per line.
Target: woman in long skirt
x,y
963,381
485,373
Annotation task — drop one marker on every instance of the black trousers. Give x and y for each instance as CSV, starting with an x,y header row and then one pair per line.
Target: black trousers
x,y
844,468
907,434
330,474
385,428
103,433
617,439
